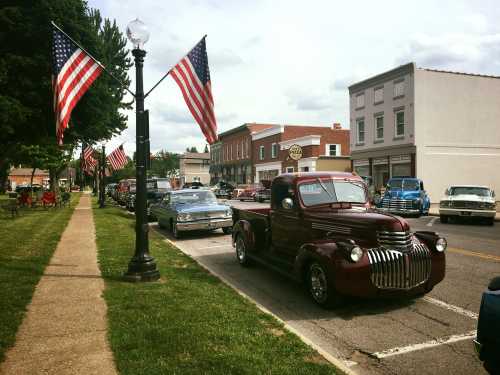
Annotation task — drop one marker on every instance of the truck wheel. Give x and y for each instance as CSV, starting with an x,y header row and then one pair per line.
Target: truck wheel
x,y
241,252
490,221
227,230
443,219
321,288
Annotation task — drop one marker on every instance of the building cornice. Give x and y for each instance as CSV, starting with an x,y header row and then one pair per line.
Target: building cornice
x,y
268,132
381,78
308,140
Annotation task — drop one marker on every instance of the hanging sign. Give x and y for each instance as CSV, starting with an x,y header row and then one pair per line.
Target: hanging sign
x,y
295,152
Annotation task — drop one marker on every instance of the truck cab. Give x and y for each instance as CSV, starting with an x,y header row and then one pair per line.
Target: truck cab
x,y
321,231
405,195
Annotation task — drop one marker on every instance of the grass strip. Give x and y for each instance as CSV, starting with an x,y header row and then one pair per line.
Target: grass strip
x,y
189,322
27,243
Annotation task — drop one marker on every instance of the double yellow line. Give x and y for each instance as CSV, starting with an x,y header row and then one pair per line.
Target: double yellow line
x,y
473,254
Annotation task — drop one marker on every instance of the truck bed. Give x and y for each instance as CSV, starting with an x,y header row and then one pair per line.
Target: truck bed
x,y
259,222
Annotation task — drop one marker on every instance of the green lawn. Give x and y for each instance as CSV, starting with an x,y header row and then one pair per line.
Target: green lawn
x,y
188,322
27,243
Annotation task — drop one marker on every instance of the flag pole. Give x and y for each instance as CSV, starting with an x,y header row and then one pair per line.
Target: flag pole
x,y
168,72
93,58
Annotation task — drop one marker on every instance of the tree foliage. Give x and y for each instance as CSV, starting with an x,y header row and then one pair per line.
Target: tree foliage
x,y
26,98
164,164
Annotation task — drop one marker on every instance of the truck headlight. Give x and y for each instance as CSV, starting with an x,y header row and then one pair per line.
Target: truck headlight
x,y
183,217
444,204
441,244
356,254
229,213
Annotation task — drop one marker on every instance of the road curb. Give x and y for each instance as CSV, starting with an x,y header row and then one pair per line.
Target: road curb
x,y
338,363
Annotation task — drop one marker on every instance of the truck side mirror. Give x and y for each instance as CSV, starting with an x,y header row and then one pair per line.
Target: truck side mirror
x,y
493,193
446,192
287,203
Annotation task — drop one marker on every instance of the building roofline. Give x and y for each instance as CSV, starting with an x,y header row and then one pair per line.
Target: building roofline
x,y
382,77
459,73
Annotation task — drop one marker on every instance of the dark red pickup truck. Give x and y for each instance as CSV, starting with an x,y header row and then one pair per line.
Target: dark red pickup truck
x,y
321,231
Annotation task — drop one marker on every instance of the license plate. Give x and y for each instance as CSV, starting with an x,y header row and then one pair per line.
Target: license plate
x,y
466,213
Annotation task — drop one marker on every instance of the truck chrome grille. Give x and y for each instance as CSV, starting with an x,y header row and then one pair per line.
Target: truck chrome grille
x,y
393,269
208,215
395,240
464,204
397,204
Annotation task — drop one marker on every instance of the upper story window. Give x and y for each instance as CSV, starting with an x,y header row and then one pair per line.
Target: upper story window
x,y
274,150
399,88
379,127
399,124
237,150
333,150
360,100
231,152
378,95
248,148
242,145
360,131
261,152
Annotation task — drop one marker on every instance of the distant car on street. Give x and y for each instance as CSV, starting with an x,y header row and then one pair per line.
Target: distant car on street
x,y
223,190
405,196
487,342
264,192
192,209
468,201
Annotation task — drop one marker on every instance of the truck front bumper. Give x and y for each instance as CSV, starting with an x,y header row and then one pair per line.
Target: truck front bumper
x,y
204,224
466,212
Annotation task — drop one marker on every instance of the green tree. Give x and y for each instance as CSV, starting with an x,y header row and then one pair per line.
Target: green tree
x,y
164,164
26,98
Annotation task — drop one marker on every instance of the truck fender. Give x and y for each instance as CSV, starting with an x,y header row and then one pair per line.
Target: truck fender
x,y
321,251
244,228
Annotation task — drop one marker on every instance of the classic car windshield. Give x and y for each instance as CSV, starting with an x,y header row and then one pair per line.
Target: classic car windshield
x,y
200,197
472,190
406,185
330,191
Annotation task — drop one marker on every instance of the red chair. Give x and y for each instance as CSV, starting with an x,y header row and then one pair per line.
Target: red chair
x,y
25,199
49,199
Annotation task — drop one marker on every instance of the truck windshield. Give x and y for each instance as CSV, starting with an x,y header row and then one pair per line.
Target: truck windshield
x,y
459,190
330,191
406,185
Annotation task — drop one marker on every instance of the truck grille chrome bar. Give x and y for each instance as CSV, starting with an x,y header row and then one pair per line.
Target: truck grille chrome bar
x,y
393,269
397,204
395,240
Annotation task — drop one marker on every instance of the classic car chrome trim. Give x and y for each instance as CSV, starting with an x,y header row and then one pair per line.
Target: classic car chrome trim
x,y
393,269
395,240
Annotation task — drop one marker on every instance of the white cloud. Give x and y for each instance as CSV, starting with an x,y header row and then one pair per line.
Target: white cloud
x,y
285,62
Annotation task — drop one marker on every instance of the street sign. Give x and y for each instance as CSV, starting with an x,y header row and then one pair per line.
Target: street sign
x,y
295,152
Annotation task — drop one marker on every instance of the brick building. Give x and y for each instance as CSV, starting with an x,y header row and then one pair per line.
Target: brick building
x,y
323,148
22,176
231,156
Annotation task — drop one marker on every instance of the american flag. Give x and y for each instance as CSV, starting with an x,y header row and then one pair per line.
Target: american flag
x,y
117,158
193,77
89,162
73,73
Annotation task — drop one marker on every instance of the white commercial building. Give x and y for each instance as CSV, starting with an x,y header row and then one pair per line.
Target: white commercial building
x,y
442,127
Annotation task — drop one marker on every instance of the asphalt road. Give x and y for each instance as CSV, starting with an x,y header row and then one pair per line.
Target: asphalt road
x,y
428,335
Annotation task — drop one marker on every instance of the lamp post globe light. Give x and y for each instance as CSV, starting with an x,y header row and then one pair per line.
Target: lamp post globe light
x,y
142,266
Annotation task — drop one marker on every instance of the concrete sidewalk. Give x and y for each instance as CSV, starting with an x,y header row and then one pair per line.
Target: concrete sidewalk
x,y
64,330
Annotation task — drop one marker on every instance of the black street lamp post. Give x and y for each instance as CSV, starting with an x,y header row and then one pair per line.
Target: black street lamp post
x,y
142,266
102,195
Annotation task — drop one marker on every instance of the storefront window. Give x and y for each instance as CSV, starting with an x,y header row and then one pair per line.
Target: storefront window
x,y
401,170
380,175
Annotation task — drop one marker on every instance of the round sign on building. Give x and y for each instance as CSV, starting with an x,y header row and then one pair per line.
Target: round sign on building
x,y
295,152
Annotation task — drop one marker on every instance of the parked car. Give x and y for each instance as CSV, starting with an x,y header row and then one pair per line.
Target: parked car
x,y
192,209
487,342
157,188
223,190
247,192
130,196
109,189
320,230
405,196
468,201
264,193
192,185
123,190
27,188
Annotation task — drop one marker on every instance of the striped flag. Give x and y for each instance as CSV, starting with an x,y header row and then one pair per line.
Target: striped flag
x,y
117,158
89,163
74,71
193,77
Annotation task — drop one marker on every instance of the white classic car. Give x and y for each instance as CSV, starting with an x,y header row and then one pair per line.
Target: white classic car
x,y
468,200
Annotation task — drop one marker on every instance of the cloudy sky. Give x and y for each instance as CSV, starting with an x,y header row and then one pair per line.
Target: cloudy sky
x,y
291,61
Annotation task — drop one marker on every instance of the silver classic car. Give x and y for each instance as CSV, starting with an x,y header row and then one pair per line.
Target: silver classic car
x,y
192,209
468,201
